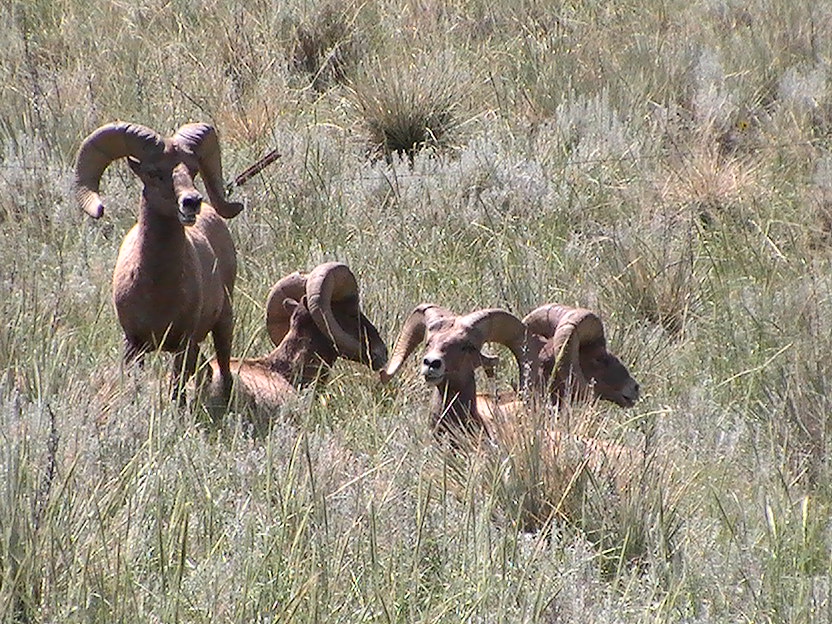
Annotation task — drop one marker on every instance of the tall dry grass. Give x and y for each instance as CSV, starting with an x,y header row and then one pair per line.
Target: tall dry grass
x,y
664,163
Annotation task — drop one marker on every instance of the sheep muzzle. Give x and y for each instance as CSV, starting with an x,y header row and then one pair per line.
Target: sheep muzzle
x,y
629,394
189,206
378,355
433,369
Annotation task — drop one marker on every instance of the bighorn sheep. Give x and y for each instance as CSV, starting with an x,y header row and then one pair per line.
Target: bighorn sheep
x,y
452,354
312,319
574,351
176,267
554,347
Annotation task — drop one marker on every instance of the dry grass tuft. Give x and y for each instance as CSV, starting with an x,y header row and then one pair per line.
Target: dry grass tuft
x,y
619,496
411,103
325,44
796,397
817,198
660,282
712,187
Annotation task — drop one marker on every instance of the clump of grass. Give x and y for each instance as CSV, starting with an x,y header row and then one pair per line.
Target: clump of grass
x,y
710,186
325,44
795,396
539,476
797,405
818,200
803,93
411,103
795,556
26,505
662,283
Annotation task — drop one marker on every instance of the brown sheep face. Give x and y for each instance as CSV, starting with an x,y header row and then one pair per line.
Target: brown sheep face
x,y
612,379
169,185
607,376
452,353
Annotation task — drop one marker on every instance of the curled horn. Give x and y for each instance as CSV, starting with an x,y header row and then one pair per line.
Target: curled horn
x,y
334,282
544,320
110,142
293,286
202,140
496,325
411,335
547,319
574,327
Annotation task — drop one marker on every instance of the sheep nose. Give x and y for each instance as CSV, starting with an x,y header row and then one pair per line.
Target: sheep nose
x,y
433,368
189,204
432,363
191,201
378,358
630,393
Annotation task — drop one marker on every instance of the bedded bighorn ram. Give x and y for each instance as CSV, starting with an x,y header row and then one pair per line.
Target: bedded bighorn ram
x,y
176,267
452,354
573,354
313,320
555,348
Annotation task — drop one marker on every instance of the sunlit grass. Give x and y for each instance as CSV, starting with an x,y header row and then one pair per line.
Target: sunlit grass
x,y
664,164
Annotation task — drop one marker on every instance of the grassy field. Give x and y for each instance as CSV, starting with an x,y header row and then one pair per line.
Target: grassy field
x,y
665,163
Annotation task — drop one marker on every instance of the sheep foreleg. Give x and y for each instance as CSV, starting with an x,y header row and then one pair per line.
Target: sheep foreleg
x,y
184,366
222,345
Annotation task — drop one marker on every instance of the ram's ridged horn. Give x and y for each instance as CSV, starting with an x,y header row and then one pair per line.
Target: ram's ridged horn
x,y
292,286
544,320
202,140
411,336
110,142
496,325
575,327
334,282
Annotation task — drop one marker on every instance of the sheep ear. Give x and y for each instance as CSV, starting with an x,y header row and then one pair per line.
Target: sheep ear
x,y
134,164
290,305
489,364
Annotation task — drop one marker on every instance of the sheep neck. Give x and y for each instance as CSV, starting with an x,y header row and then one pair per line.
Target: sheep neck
x,y
297,362
160,237
454,409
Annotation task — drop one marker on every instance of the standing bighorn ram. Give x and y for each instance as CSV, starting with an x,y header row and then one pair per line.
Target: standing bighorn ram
x,y
176,267
312,320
